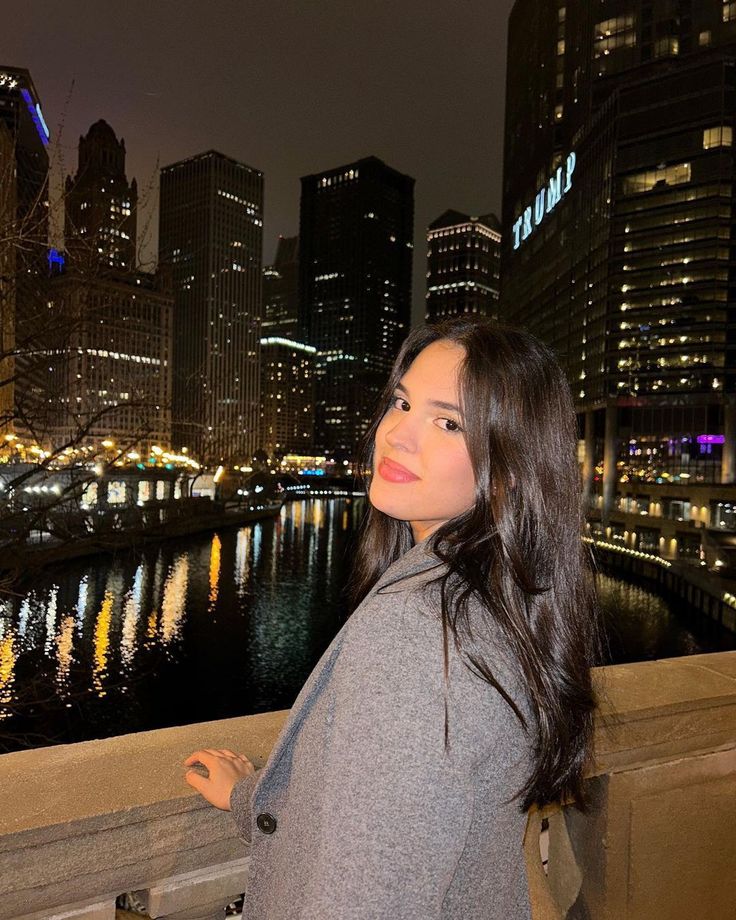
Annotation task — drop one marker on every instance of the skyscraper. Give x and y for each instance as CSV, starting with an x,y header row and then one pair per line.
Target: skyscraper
x,y
211,227
20,112
287,396
618,184
463,265
100,203
281,291
356,240
24,168
108,371
106,374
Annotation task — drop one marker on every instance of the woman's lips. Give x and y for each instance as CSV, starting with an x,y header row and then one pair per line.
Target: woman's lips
x,y
395,472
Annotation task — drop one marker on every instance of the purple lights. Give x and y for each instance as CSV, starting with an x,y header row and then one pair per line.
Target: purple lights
x,y
711,439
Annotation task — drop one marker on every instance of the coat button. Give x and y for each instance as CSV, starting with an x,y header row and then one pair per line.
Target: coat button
x,y
266,823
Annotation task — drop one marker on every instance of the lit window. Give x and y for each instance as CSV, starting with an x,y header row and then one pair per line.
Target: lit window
x,y
667,46
561,46
721,136
729,11
115,493
611,34
677,174
704,39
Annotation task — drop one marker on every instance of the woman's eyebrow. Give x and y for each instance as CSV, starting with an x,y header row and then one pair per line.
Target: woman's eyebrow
x,y
443,405
436,403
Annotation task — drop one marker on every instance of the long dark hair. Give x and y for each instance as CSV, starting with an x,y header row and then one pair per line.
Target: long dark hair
x,y
518,550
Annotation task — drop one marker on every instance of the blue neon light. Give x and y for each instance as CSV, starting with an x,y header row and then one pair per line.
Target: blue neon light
x,y
38,120
55,258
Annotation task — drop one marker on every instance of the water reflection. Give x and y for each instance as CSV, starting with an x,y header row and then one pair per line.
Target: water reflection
x,y
214,626
175,594
7,672
102,643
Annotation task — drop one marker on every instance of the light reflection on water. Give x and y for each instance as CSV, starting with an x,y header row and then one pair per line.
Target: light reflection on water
x,y
214,626
203,628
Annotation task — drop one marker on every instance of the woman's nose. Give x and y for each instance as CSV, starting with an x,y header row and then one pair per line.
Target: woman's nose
x,y
401,435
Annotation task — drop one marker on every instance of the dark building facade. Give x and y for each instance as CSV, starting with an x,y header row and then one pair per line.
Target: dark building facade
x,y
24,168
618,182
211,230
281,291
21,114
100,204
463,266
356,240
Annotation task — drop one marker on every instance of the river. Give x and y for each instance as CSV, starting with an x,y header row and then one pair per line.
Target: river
x,y
221,625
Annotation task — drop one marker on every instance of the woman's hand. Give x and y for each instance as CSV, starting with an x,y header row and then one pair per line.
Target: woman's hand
x,y
225,768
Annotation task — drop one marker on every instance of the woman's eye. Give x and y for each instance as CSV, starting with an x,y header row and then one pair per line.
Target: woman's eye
x,y
398,402
449,424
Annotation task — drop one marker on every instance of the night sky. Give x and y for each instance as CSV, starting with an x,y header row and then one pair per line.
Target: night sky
x,y
288,87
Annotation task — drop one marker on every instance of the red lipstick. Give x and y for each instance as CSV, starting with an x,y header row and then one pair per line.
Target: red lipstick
x,y
395,472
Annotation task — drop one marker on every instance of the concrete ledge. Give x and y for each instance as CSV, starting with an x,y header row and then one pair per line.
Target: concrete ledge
x,y
114,815
82,823
658,710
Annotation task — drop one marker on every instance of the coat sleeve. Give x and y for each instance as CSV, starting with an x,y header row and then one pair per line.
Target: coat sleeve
x,y
395,806
241,805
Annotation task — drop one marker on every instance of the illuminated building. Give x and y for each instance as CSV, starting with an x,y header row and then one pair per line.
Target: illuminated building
x,y
108,361
617,215
100,204
356,239
287,396
463,265
105,346
281,291
211,228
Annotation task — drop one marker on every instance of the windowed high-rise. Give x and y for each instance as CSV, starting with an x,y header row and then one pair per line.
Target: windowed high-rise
x,y
618,220
463,266
287,396
100,203
20,112
356,240
281,291
24,170
106,370
211,228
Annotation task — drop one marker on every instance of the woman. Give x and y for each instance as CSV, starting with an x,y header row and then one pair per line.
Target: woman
x,y
458,694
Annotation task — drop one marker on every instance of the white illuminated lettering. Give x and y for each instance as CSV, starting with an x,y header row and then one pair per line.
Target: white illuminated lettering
x,y
545,201
527,223
539,203
516,229
554,192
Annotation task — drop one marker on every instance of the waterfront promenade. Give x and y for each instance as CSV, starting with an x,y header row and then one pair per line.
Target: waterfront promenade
x,y
83,823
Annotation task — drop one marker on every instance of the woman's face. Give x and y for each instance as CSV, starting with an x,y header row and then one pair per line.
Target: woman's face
x,y
421,468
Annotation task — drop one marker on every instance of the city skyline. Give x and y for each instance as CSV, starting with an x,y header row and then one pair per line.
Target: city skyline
x,y
289,91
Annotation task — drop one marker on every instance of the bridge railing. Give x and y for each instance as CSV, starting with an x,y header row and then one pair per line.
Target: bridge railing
x,y
83,823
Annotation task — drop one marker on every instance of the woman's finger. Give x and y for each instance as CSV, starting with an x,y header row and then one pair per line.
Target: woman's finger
x,y
204,757
196,780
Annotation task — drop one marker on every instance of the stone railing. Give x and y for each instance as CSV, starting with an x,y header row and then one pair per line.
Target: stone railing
x,y
82,823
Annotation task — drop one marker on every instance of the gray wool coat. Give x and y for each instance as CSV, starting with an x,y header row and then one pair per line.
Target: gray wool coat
x,y
360,813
